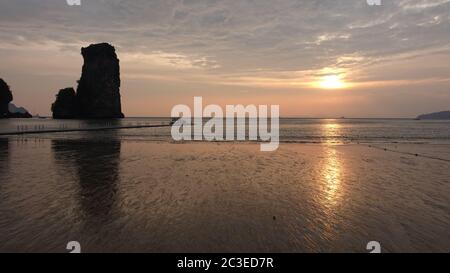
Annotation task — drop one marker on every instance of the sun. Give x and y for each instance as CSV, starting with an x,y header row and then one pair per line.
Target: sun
x,y
332,82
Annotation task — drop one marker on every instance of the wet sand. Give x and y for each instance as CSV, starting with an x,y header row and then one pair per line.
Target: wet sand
x,y
144,196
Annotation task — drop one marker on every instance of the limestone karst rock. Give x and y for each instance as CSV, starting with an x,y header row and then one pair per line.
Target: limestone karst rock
x,y
65,106
98,92
5,98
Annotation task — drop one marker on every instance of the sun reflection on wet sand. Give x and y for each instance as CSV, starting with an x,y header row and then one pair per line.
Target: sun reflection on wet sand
x,y
332,166
331,183
332,176
330,187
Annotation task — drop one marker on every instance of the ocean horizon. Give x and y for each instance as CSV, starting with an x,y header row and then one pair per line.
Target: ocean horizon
x,y
301,130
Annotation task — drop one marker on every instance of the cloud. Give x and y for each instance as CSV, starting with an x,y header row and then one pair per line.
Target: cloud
x,y
239,35
273,42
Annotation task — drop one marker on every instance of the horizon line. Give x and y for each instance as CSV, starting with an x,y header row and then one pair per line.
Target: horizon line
x,y
281,117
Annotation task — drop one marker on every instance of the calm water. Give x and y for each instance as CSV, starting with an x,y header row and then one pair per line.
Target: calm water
x,y
291,130
134,190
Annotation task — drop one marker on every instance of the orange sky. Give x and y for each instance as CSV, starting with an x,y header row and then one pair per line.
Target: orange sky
x,y
314,59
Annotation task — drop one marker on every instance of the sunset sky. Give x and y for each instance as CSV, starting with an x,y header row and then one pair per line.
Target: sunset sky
x,y
315,58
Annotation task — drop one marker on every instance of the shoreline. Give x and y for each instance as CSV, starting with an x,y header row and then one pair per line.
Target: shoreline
x,y
81,130
410,149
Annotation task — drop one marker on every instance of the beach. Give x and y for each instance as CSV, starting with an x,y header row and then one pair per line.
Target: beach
x,y
159,196
248,128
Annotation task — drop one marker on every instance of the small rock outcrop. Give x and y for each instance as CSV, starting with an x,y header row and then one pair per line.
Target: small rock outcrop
x,y
65,106
98,92
7,109
5,98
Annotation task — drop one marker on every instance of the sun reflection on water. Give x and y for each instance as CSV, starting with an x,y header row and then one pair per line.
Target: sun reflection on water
x,y
330,131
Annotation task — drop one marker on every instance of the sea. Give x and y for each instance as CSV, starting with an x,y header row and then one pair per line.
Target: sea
x,y
294,130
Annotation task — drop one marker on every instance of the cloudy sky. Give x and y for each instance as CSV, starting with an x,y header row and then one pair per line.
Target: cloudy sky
x,y
315,58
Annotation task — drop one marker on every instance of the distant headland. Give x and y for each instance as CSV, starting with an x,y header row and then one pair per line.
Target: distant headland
x,y
98,92
436,116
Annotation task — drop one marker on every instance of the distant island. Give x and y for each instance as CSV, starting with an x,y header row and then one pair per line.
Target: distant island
x,y
7,109
98,92
436,116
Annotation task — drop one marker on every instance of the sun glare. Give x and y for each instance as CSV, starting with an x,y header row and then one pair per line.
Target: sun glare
x,y
331,82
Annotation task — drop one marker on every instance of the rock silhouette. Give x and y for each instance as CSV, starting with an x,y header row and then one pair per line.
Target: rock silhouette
x,y
5,98
98,92
65,106
7,109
